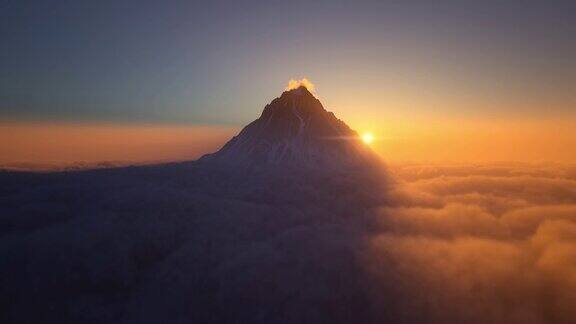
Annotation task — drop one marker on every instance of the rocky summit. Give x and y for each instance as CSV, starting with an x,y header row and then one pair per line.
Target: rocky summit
x,y
295,130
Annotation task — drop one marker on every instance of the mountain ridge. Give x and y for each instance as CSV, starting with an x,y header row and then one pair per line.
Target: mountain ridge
x,y
295,130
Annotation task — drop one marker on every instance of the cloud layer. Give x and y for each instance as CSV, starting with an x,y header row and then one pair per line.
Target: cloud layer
x,y
182,243
479,244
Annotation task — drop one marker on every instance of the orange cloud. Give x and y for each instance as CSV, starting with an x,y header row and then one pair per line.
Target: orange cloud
x,y
477,244
304,82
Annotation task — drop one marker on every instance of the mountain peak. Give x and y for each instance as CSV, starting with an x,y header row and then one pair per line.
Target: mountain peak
x,y
295,130
299,91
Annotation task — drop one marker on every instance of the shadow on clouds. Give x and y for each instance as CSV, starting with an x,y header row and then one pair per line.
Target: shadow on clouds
x,y
187,243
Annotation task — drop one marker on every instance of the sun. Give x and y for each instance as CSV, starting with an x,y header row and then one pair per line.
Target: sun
x,y
367,138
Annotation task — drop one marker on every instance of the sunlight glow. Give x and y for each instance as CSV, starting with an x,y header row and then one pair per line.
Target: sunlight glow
x,y
304,82
367,138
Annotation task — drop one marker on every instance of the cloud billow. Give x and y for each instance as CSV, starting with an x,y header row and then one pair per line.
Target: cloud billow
x,y
445,244
478,244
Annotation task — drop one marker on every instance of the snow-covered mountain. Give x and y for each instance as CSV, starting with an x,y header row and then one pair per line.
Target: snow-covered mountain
x,y
267,230
295,130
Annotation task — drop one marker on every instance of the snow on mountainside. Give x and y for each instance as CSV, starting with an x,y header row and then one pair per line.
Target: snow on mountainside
x,y
270,229
295,130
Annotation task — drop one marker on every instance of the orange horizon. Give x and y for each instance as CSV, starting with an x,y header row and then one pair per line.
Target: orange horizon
x,y
51,145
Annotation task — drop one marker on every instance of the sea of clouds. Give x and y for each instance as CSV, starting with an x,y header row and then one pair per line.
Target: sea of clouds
x,y
487,243
479,244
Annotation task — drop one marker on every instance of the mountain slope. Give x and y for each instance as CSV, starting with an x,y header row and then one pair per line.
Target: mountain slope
x,y
295,130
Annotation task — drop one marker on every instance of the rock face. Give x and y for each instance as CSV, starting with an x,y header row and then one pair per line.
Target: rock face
x,y
295,130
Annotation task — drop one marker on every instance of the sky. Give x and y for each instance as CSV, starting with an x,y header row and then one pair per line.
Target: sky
x,y
398,69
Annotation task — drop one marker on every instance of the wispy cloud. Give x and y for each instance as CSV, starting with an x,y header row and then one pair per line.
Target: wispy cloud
x,y
304,82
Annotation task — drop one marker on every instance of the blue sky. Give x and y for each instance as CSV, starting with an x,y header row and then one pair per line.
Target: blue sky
x,y
219,62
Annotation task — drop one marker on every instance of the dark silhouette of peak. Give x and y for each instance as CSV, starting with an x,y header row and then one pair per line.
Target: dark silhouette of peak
x,y
295,130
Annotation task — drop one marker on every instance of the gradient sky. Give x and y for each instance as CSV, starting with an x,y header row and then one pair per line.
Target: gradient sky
x,y
376,64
